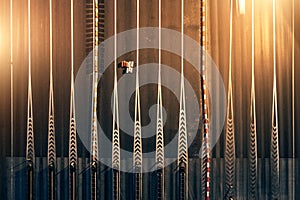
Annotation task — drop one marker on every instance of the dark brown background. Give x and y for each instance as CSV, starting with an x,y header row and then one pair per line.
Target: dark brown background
x,y
218,47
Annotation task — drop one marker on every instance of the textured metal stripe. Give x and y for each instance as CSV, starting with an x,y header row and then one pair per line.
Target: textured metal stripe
x,y
252,177
230,138
275,185
137,149
115,130
205,168
182,132
51,126
30,132
94,140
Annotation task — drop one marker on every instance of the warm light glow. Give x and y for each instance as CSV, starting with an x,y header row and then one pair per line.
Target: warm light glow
x,y
1,40
241,6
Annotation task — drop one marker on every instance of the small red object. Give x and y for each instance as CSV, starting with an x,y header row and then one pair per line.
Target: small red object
x,y
127,66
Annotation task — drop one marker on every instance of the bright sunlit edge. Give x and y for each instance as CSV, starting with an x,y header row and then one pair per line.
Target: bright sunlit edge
x,y
241,7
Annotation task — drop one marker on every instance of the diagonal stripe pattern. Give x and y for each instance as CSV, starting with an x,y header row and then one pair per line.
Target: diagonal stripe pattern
x,y
159,154
30,138
182,132
159,123
51,141
51,127
137,148
115,130
230,142
137,156
252,157
30,133
252,177
182,138
72,127
275,187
